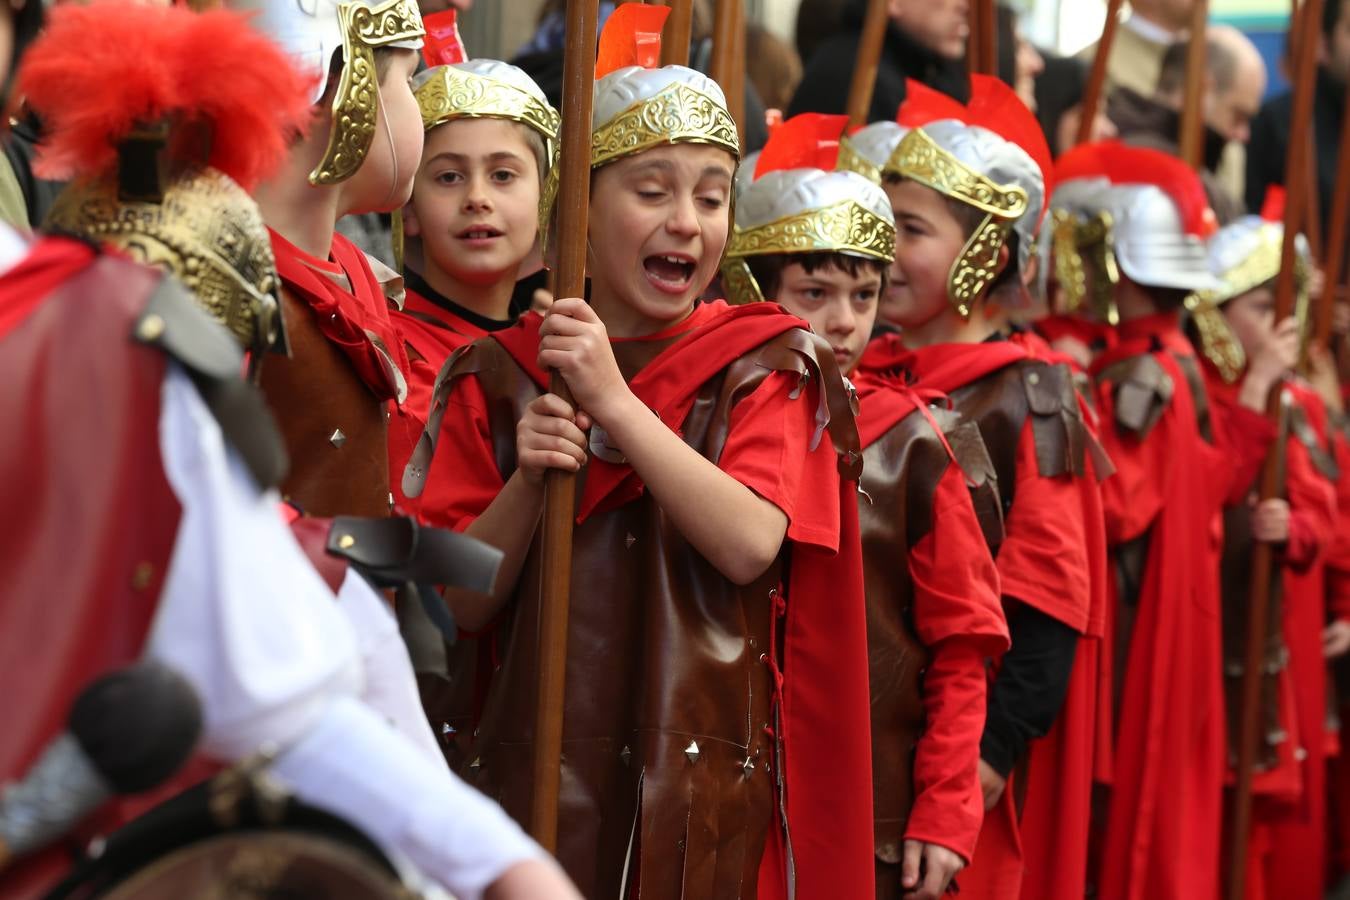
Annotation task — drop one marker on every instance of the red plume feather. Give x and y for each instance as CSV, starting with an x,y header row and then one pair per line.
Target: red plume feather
x,y
1140,165
1082,161
924,104
1272,207
101,71
443,46
995,106
631,37
805,141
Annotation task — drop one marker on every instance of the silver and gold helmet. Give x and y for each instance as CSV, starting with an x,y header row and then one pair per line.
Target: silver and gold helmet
x,y
313,32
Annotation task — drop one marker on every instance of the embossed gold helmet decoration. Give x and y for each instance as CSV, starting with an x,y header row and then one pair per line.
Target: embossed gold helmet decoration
x,y
1244,256
1082,239
798,204
313,31
638,107
159,154
205,229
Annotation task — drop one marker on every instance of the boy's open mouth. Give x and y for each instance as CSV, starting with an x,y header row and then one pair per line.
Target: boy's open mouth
x,y
670,271
479,233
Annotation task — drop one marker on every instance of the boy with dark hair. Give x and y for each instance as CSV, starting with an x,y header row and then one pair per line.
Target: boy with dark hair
x,y
968,196
932,590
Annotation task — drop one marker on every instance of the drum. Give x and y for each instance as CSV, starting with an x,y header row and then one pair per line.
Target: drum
x,y
221,841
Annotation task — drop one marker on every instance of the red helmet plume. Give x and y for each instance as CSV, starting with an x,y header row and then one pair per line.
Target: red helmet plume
x,y
102,71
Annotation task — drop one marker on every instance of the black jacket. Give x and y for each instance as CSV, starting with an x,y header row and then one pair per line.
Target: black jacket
x,y
829,72
1270,143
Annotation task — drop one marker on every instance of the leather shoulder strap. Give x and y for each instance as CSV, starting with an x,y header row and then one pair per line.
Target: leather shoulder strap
x,y
1142,391
173,322
1062,437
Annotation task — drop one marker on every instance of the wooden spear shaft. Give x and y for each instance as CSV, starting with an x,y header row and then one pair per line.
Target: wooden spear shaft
x,y
865,66
560,487
982,45
1096,84
1192,137
1262,553
1336,233
728,20
678,33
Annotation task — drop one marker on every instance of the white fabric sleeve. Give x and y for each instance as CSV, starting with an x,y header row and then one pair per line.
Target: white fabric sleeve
x,y
242,615
390,685
246,619
449,830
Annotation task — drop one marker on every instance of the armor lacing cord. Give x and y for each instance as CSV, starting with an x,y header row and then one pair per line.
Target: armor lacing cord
x,y
921,398
770,657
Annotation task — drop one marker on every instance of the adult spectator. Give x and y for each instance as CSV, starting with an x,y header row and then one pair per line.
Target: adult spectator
x,y
1270,129
772,66
1235,79
925,40
1142,41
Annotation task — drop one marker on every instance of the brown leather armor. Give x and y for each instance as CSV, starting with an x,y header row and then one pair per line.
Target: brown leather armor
x,y
901,471
667,738
999,405
336,431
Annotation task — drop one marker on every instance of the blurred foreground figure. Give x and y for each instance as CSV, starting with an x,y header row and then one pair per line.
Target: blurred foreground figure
x,y
147,522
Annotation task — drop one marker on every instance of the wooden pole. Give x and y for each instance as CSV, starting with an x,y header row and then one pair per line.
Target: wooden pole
x,y
1096,84
982,45
728,18
560,487
1334,249
677,37
1296,170
865,66
1192,137
736,106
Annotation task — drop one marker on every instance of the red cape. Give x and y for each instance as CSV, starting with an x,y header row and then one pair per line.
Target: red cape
x,y
90,518
1163,826
825,702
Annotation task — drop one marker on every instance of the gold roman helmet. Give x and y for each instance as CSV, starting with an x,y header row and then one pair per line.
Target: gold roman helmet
x,y
922,157
638,107
806,211
202,227
313,32
1243,256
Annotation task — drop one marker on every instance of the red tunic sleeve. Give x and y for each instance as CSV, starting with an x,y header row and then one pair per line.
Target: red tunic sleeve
x,y
1043,561
769,451
958,616
463,477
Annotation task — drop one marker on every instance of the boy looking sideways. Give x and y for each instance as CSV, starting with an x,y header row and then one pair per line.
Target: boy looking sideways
x,y
931,587
346,366
713,545
968,196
